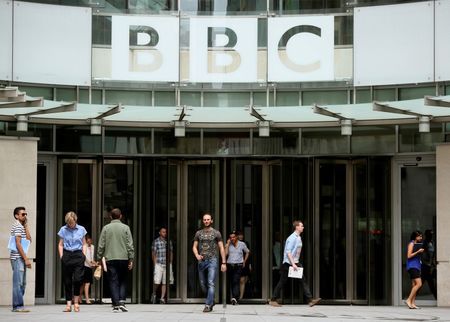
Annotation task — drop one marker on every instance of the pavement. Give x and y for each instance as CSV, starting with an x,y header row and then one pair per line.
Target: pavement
x,y
238,313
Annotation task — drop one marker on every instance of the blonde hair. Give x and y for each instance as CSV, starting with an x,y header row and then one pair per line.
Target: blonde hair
x,y
70,217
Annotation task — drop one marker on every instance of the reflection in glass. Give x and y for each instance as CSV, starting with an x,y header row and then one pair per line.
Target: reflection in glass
x,y
226,143
127,140
281,141
418,212
76,139
411,140
167,143
373,139
323,141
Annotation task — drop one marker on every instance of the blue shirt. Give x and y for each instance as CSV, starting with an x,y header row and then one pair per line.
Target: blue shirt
x,y
72,238
414,262
236,253
293,246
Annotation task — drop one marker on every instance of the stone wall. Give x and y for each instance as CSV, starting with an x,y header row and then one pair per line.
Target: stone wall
x,y
18,166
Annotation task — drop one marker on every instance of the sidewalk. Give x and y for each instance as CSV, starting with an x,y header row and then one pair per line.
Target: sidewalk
x,y
240,313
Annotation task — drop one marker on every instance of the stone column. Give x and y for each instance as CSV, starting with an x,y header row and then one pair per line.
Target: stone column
x,y
443,223
18,173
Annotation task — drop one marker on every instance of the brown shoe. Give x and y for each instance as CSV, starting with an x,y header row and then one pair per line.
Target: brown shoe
x,y
274,303
314,301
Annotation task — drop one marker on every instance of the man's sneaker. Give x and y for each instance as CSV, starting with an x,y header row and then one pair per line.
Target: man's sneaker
x,y
207,309
314,301
162,301
123,308
153,300
21,310
115,309
274,303
234,301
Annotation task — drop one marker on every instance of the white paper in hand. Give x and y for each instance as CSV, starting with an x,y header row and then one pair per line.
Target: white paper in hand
x,y
295,273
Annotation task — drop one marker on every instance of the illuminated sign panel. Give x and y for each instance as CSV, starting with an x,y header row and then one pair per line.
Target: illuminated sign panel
x,y
145,48
301,49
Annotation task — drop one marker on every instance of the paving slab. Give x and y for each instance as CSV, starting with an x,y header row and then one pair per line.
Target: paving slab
x,y
239,313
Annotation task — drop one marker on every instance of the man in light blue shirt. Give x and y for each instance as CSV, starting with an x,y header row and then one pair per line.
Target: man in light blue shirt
x,y
291,256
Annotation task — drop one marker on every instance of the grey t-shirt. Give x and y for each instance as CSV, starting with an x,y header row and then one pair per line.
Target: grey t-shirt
x,y
207,242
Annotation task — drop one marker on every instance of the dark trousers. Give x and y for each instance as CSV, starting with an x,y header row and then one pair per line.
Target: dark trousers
x,y
234,276
427,276
73,271
117,276
284,270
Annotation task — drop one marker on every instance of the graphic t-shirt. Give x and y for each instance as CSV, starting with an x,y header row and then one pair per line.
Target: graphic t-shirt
x,y
207,242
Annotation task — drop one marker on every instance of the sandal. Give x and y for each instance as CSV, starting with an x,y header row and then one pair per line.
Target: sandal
x,y
76,308
68,308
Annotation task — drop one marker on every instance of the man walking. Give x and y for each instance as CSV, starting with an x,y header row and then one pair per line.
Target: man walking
x,y
159,258
291,256
19,242
206,243
116,245
235,250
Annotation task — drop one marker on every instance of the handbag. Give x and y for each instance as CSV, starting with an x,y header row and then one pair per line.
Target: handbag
x,y
98,272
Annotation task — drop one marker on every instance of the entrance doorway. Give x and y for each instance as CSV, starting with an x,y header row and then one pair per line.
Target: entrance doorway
x,y
352,236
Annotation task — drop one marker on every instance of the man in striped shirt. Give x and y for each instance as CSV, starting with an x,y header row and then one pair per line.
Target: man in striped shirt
x,y
19,260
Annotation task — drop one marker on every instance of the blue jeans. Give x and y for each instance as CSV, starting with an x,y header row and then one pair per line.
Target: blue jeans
x,y
19,282
207,273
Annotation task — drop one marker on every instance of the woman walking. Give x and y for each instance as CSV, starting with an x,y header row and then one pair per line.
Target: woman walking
x,y
413,266
72,250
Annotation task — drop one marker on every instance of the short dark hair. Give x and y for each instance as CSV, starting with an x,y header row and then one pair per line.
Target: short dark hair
x,y
116,213
414,234
16,211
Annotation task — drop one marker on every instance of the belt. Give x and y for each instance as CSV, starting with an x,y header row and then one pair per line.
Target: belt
x,y
72,251
235,264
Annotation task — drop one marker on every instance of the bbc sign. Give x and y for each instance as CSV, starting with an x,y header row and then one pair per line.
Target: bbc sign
x,y
223,49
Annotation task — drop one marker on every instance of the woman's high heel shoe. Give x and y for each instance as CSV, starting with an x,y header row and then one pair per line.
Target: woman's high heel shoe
x,y
68,308
76,308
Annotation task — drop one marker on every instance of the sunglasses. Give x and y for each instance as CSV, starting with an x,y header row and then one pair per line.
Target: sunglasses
x,y
24,214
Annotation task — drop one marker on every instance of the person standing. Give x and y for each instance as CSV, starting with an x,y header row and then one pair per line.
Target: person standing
x,y
116,245
291,256
207,242
159,258
235,250
19,259
72,250
89,265
413,266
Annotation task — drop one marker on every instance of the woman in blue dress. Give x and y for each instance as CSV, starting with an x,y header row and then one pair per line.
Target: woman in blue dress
x,y
413,266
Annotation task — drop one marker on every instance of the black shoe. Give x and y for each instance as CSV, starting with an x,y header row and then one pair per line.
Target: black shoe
x,y
116,309
123,308
207,309
234,301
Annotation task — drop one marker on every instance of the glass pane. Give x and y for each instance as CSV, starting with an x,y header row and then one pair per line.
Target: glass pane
x,y
323,141
167,143
384,95
416,92
219,6
77,139
324,97
140,6
41,227
360,228
95,99
418,212
225,143
373,139
363,96
201,198
279,142
66,94
343,30
288,98
247,220
411,140
260,99
190,98
332,231
45,134
45,92
165,99
235,99
118,192
142,98
128,140
101,30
